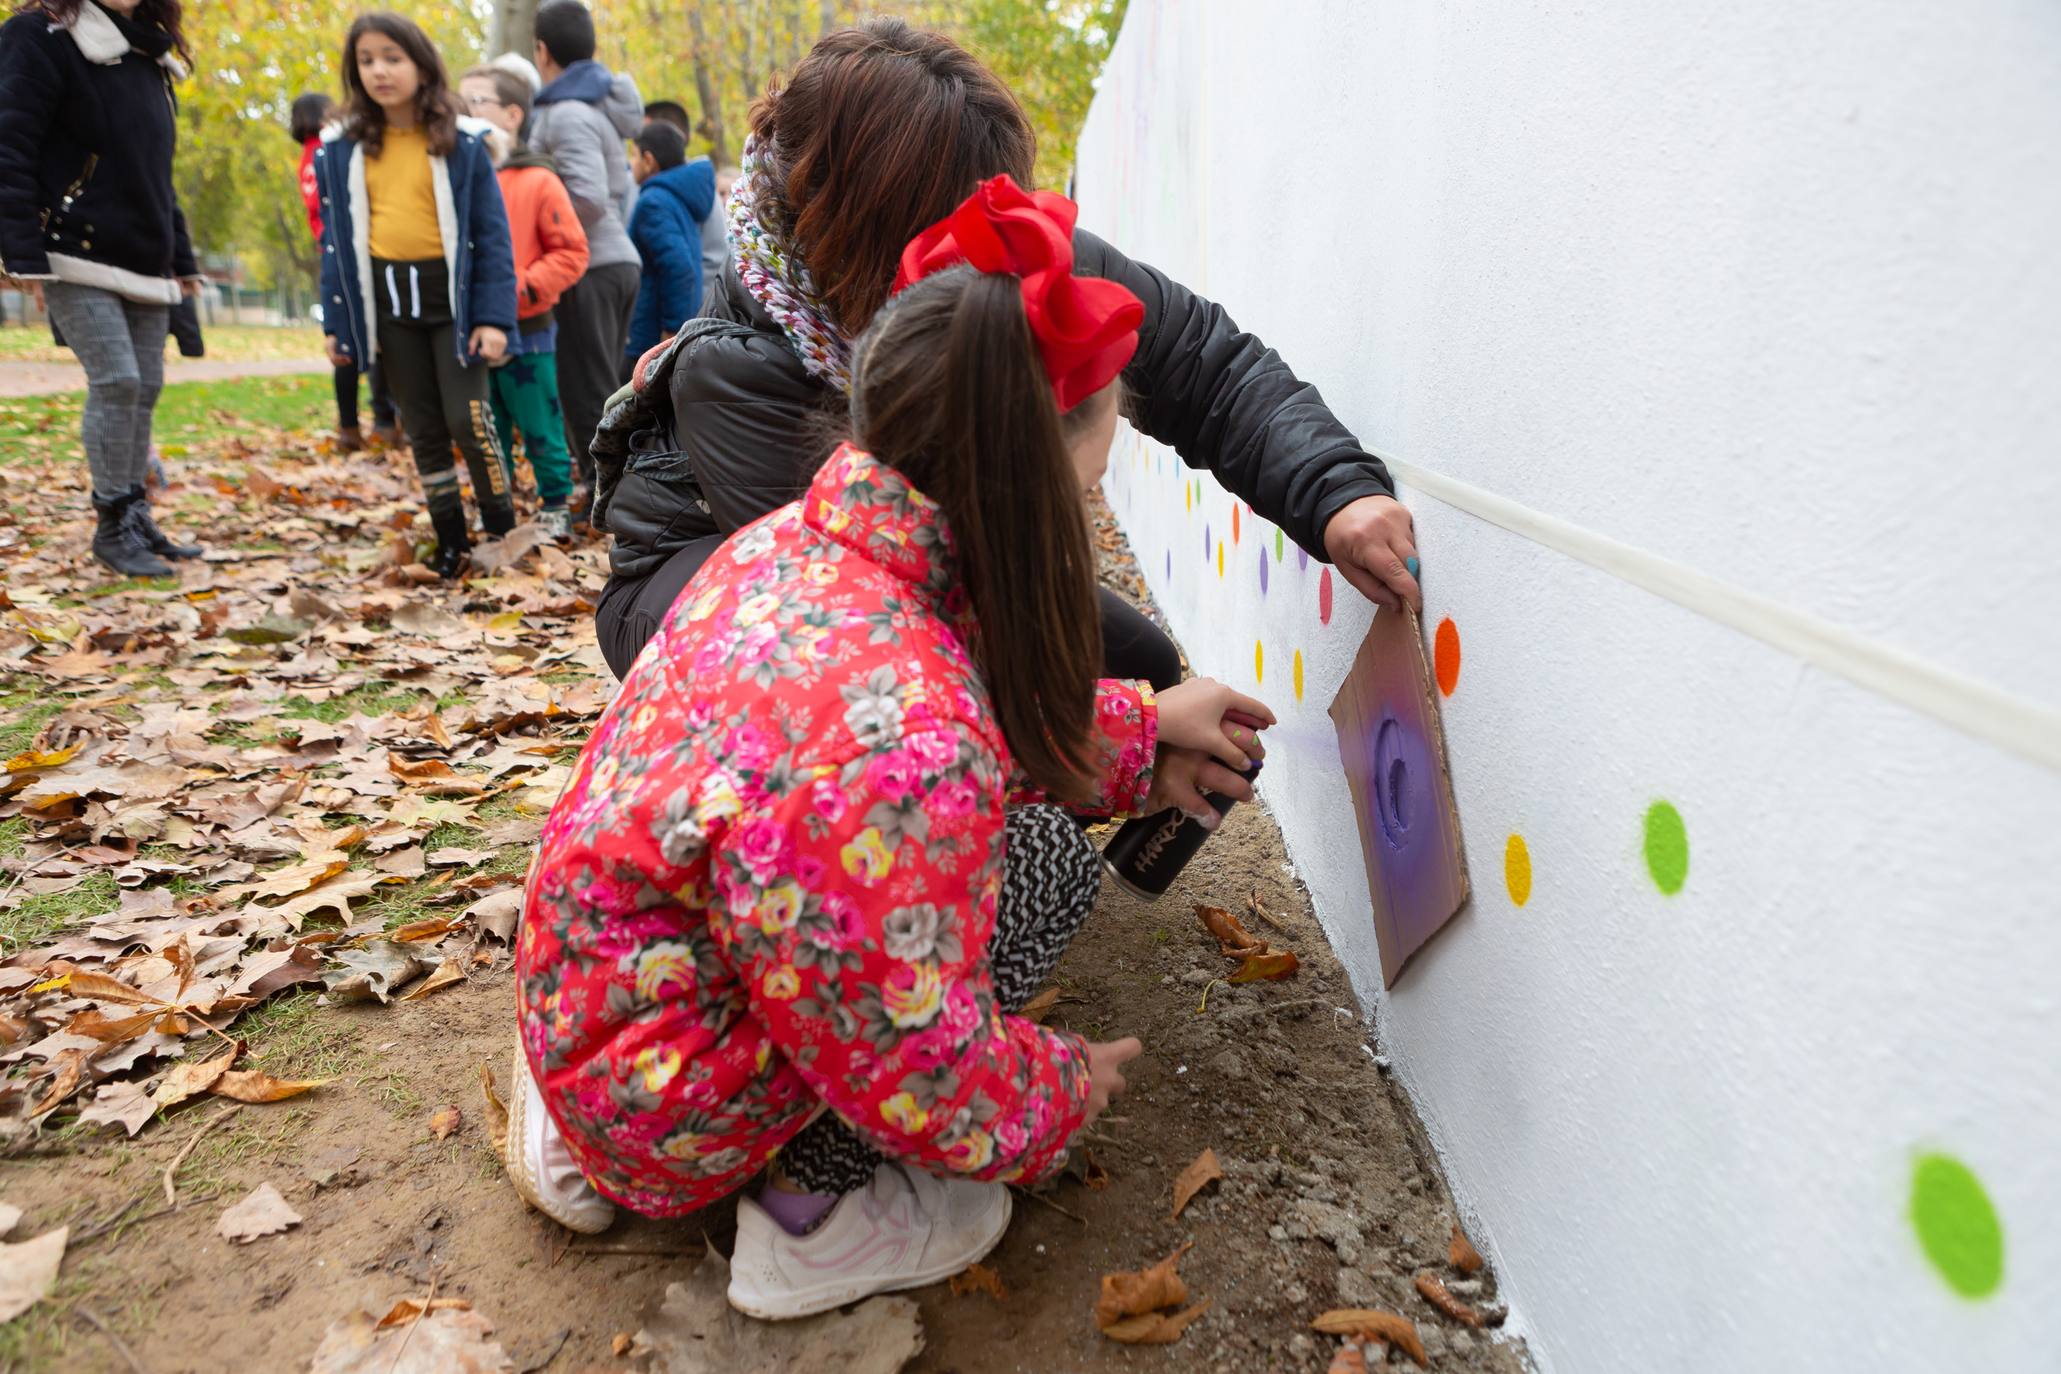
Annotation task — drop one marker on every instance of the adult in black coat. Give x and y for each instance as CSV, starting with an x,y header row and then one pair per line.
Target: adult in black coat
x,y
880,131
89,223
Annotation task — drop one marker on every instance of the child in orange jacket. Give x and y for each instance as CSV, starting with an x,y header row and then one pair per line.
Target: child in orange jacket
x,y
550,255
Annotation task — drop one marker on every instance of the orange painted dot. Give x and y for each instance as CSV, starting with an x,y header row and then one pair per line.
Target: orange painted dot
x,y
1259,661
1445,656
1235,535
1298,675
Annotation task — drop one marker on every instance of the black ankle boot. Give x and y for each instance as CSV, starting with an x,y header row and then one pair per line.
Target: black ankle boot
x,y
117,543
155,539
452,542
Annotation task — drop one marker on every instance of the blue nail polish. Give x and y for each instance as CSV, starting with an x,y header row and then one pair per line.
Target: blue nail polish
x,y
1411,564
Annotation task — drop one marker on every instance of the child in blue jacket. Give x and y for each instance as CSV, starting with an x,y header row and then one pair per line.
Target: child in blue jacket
x,y
674,196
417,270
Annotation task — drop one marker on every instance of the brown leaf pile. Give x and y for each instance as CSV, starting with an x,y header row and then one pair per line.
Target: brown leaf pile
x,y
1130,1308
1462,1254
1371,1323
1256,963
1435,1293
231,781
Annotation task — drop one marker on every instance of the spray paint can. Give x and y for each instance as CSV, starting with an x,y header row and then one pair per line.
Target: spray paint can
x,y
1148,852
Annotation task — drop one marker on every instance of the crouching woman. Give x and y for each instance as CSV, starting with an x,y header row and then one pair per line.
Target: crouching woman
x,y
808,864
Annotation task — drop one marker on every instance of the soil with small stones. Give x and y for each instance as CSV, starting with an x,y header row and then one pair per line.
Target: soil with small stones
x,y
1331,1197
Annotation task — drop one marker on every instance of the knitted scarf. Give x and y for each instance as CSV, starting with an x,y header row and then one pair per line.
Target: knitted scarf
x,y
779,281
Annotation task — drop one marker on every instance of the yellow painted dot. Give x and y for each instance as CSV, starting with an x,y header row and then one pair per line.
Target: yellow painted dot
x,y
1220,560
1517,869
1298,675
1188,494
1259,662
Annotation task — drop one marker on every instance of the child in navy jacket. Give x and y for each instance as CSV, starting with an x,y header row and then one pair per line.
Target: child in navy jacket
x,y
674,196
417,270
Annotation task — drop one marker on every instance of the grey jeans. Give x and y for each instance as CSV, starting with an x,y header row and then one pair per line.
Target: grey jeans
x,y
121,344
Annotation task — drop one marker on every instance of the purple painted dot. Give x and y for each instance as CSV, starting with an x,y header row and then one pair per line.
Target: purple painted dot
x,y
1205,543
1324,597
1169,565
1263,572
1302,559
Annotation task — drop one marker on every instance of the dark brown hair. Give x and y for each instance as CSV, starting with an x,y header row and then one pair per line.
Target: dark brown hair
x,y
949,391
436,109
165,14
876,135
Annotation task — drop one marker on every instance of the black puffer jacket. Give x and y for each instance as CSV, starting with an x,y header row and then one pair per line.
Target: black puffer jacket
x,y
750,427
86,148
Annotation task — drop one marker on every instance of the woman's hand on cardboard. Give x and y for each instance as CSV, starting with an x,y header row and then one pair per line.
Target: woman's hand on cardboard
x,y
1192,716
1374,544
1106,1059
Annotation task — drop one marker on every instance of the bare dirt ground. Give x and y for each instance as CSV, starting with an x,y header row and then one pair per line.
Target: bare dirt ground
x,y
1331,1198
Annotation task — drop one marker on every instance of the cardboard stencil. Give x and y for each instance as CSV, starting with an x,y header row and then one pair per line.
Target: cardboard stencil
x,y
1394,750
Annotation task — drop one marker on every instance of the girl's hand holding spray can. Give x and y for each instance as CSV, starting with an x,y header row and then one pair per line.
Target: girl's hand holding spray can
x,y
1149,851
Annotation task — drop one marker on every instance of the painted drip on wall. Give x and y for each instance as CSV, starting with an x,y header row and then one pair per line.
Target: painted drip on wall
x,y
1763,994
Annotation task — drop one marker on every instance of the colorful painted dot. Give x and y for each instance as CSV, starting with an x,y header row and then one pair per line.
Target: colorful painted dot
x,y
1220,560
1667,847
1205,543
1324,597
1302,559
1169,565
1298,675
1957,1225
1259,661
1517,869
1263,572
1235,534
1188,495
1277,546
1445,655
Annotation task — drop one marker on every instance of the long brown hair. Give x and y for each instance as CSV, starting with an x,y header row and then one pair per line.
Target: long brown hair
x,y
436,109
165,14
878,133
948,390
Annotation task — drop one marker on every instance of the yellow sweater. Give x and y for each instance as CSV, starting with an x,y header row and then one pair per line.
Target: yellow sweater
x,y
403,199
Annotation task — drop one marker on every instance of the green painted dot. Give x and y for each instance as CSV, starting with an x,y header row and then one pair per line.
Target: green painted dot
x,y
1957,1225
1277,546
1667,847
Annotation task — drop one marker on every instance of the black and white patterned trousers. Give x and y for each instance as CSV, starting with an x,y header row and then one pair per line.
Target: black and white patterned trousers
x,y
1050,876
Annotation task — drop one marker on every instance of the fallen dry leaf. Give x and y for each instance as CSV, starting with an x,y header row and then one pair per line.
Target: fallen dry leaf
x,y
28,1270
261,1213
192,1077
1233,939
449,1341
254,1085
978,1278
126,1105
1265,968
1039,1007
1197,1176
1392,1327
497,1110
1348,1360
1462,1253
448,972
1127,1310
67,1070
1154,1328
414,1309
445,1120
620,1343
1092,1173
1435,1293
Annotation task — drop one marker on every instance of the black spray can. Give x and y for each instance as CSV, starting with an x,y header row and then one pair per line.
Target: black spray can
x,y
1148,852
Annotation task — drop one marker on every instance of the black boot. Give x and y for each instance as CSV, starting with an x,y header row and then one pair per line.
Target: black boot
x,y
155,539
117,543
452,541
497,519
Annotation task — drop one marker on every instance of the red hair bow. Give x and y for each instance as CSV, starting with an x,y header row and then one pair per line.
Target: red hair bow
x,y
1086,328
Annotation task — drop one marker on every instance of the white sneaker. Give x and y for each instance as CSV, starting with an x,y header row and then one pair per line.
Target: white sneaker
x,y
541,1167
904,1229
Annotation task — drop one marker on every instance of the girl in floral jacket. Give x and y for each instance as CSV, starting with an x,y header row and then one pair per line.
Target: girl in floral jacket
x,y
805,869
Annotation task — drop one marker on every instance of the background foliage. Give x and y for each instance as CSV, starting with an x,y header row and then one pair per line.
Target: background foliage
x,y
252,57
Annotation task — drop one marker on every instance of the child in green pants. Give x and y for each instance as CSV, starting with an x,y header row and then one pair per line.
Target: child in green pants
x,y
550,255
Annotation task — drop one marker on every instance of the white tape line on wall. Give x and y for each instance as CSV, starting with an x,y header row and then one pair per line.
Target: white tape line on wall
x,y
2022,727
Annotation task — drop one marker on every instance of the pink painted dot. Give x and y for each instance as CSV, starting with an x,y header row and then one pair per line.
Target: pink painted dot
x,y
1324,597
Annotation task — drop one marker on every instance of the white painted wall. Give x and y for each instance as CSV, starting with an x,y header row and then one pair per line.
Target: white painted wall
x,y
1771,288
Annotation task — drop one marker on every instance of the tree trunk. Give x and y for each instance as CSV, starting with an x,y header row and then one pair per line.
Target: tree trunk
x,y
705,91
514,28
829,17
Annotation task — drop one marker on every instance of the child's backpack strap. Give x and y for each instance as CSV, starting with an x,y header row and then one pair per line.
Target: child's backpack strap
x,y
636,431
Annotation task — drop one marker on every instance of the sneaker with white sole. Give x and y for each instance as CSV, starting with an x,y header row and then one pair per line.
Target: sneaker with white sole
x,y
541,1167
556,522
904,1229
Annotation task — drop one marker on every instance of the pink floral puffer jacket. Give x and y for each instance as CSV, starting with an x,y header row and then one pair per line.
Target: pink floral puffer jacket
x,y
772,879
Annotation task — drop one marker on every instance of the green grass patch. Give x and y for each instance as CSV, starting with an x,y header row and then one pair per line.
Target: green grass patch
x,y
376,698
22,715
31,919
187,412
291,1037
